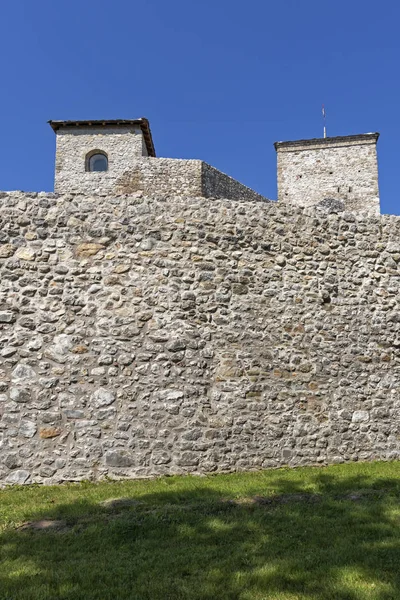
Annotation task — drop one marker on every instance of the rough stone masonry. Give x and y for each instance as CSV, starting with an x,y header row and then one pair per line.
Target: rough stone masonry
x,y
343,169
143,336
132,165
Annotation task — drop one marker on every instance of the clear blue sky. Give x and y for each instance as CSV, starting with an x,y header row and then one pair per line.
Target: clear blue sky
x,y
219,80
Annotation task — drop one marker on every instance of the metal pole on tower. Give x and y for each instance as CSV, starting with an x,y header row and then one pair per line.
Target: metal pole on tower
x,y
324,117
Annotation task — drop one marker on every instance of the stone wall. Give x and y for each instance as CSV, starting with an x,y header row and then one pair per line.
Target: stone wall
x,y
341,168
161,176
129,172
216,184
142,336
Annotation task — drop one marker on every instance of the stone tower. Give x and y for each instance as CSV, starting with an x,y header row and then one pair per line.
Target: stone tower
x,y
92,156
341,168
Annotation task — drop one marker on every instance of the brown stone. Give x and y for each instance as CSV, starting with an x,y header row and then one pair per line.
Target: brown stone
x,y
79,350
112,280
122,268
88,249
7,250
49,432
313,386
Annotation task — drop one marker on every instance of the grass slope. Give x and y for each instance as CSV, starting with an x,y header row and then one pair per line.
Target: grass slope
x,y
312,533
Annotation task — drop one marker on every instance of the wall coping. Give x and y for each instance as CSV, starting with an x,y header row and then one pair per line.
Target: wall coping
x,y
332,142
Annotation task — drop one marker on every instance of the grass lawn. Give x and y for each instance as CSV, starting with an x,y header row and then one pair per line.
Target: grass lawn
x,y
311,533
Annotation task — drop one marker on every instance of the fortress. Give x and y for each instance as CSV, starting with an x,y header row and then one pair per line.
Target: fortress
x,y
159,317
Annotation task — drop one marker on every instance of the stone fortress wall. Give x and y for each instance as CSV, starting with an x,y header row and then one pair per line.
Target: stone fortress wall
x,y
142,336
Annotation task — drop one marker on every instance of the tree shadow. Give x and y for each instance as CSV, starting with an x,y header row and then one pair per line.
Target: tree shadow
x,y
340,541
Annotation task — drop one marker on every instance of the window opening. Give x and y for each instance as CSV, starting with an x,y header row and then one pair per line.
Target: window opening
x,y
97,161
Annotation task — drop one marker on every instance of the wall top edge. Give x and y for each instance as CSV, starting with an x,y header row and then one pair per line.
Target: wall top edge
x,y
362,138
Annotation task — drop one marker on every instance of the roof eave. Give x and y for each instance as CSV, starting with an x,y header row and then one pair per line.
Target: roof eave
x,y
142,122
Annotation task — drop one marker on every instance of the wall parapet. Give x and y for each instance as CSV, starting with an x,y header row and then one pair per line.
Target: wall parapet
x,y
216,184
158,177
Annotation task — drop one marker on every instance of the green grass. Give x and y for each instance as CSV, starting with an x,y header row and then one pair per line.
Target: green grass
x,y
312,533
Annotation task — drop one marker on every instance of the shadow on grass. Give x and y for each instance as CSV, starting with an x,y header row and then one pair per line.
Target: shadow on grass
x,y
341,542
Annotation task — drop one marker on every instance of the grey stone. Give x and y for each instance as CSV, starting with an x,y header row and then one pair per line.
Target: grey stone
x,y
7,317
50,417
188,459
116,458
20,395
27,429
161,458
103,397
8,351
172,395
23,374
74,414
280,260
176,345
18,477
47,471
12,460
60,349
331,205
360,416
106,413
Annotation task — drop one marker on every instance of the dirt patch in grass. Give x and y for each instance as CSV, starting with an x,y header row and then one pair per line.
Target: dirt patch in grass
x,y
46,525
119,503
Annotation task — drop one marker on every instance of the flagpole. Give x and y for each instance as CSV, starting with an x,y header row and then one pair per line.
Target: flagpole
x,y
324,117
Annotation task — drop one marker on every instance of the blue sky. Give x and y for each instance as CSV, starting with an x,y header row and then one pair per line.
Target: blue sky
x,y
219,80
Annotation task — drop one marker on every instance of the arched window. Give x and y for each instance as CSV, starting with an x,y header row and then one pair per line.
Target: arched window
x,y
96,161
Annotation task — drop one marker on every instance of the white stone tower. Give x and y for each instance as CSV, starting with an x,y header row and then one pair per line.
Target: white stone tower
x,y
335,168
94,156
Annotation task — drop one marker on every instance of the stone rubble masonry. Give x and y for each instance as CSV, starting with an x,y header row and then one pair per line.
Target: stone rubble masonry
x,y
130,170
339,168
218,185
142,336
121,144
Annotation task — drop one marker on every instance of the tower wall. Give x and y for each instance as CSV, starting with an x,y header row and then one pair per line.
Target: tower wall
x,y
121,144
340,168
